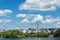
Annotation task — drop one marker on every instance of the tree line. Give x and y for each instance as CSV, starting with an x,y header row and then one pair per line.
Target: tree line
x,y
19,34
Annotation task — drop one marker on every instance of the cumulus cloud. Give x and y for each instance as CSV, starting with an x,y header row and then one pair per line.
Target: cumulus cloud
x,y
25,21
25,15
37,18
20,15
5,20
40,5
17,28
51,20
5,12
30,18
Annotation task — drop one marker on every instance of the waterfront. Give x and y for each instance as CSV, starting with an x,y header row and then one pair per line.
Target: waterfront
x,y
29,38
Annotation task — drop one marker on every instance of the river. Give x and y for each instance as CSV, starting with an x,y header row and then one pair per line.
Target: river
x,y
29,38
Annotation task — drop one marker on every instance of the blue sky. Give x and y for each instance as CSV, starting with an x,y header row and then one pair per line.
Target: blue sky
x,y
23,14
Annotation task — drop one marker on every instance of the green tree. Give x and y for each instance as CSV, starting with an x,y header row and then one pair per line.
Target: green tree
x,y
57,33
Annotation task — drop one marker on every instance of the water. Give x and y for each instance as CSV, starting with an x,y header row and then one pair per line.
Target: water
x,y
29,38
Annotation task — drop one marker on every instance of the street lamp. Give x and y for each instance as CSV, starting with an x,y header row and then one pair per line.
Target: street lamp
x,y
37,30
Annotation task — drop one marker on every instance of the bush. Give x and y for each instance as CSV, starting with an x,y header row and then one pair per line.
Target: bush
x,y
57,33
43,34
18,34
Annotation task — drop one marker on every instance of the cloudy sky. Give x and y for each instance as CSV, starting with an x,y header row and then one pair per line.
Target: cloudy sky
x,y
23,14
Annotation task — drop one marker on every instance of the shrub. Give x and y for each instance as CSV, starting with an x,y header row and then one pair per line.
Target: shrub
x,y
57,33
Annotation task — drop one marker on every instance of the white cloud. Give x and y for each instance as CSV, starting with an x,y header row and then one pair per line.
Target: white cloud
x,y
48,16
51,20
8,21
37,18
40,5
5,12
20,15
17,28
48,21
30,18
25,15
5,20
25,21
34,17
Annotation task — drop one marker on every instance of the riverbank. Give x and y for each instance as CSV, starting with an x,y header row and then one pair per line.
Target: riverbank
x,y
30,38
19,34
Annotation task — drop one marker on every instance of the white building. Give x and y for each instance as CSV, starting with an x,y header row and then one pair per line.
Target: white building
x,y
48,30
24,31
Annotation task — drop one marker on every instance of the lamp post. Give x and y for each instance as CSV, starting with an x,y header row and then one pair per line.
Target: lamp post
x,y
37,25
37,30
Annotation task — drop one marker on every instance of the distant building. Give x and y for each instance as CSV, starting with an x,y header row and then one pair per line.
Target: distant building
x,y
25,31
30,30
47,30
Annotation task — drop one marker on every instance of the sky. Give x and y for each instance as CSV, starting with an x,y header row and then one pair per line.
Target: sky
x,y
24,14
